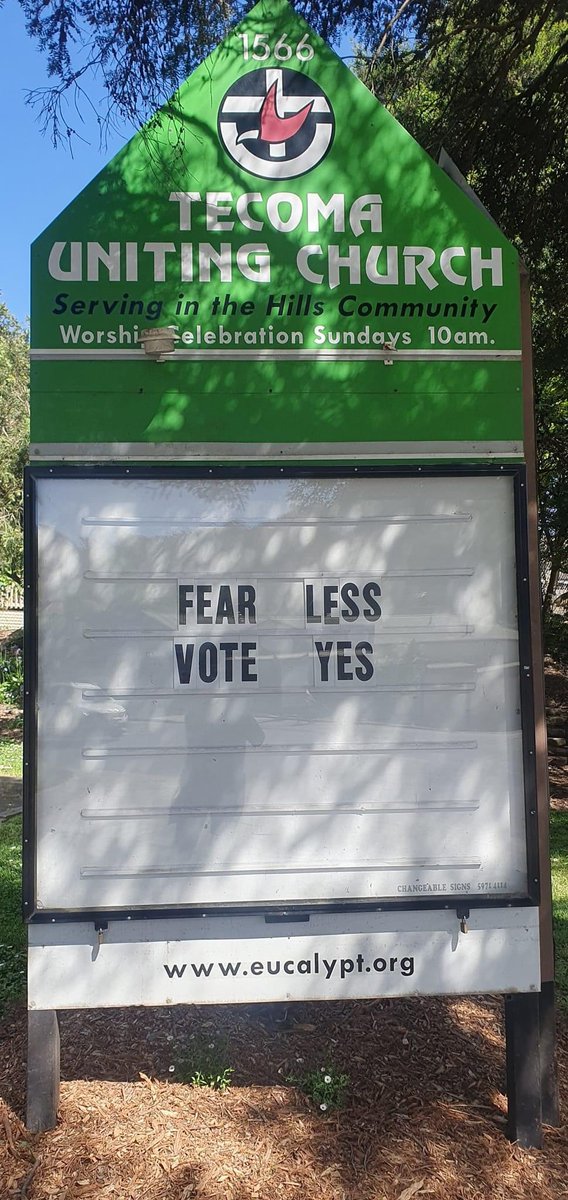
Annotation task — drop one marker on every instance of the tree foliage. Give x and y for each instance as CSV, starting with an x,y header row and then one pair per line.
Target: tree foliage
x,y
552,428
14,437
141,50
489,82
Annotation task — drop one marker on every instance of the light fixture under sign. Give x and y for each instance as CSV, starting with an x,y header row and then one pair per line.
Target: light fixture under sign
x,y
158,343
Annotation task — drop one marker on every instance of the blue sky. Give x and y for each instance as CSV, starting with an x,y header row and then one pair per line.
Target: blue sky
x,y
38,179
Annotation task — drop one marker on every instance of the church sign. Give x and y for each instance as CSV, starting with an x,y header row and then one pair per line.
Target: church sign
x,y
280,734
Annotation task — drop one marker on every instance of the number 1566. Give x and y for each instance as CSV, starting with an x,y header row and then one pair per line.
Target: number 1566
x,y
260,48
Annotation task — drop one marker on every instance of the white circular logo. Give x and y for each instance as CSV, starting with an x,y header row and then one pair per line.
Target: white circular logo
x,y
276,123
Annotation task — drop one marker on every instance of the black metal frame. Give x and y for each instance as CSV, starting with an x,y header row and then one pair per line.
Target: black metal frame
x,y
292,911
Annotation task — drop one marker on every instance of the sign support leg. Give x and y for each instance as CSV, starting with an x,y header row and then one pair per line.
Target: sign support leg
x,y
549,1077
548,1073
522,1027
43,1070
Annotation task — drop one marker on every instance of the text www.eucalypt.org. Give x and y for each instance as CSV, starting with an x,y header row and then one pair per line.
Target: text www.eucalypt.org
x,y
316,964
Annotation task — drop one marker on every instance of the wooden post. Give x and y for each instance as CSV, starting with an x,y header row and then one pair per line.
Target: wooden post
x,y
548,1068
522,1026
43,1070
549,1080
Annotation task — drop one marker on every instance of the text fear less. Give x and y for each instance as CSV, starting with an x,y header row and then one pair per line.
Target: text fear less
x,y
333,603
217,604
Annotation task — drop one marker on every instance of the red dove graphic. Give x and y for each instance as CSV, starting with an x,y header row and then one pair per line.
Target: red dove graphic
x,y
272,127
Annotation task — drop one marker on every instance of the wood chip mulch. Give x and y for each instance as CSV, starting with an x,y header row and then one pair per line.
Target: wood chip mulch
x,y
425,1113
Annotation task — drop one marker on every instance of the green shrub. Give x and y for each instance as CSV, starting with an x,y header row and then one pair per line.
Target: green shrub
x,y
12,676
556,638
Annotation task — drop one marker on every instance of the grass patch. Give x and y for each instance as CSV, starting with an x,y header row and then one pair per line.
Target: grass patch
x,y
325,1087
559,859
12,930
205,1065
11,758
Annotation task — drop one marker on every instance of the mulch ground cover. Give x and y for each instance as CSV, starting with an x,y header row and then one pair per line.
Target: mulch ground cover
x,y
424,1115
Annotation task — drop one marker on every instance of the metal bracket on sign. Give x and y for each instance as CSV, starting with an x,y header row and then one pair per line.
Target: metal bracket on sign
x,y
462,914
100,929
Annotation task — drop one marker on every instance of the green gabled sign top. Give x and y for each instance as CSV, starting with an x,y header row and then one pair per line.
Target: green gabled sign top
x,y
276,214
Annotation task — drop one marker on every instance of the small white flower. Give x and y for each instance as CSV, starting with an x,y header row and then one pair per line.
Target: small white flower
x,y
299,1060
323,1107
172,1068
211,1046
327,1078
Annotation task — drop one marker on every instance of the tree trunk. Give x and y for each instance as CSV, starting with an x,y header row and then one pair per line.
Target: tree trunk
x,y
550,589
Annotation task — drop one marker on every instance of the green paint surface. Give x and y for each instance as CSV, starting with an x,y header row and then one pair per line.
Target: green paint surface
x,y
153,403
404,258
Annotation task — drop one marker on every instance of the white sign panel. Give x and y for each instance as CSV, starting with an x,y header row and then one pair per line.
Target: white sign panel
x,y
277,690
243,960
